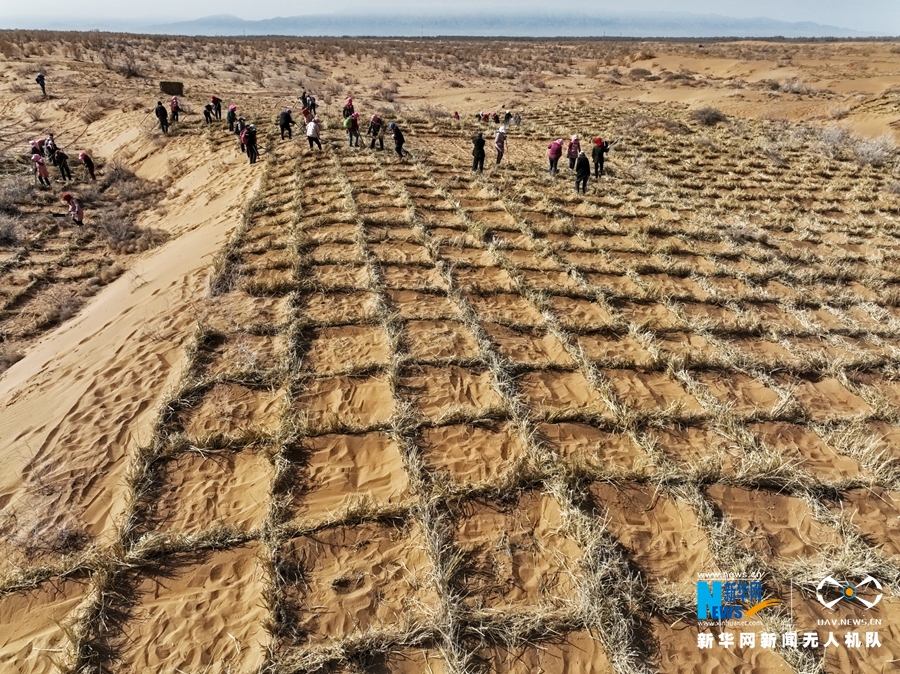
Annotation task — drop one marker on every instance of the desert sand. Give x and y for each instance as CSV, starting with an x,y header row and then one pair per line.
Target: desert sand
x,y
341,412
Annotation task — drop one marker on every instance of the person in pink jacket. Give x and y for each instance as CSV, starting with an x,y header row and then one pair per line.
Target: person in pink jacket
x,y
41,168
555,150
75,209
573,150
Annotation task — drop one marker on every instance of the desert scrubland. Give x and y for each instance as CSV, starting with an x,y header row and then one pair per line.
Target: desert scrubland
x,y
338,412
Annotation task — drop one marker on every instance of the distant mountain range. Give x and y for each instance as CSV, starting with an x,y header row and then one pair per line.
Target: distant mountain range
x,y
523,24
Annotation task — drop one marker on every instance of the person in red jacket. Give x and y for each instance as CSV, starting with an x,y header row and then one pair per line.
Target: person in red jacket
x,y
555,150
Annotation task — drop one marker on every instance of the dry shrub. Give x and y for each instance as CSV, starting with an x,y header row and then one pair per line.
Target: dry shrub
x,y
90,115
116,172
36,538
591,69
129,67
454,84
55,306
874,151
124,237
12,193
893,187
795,86
34,113
387,92
9,231
639,73
9,357
833,139
708,116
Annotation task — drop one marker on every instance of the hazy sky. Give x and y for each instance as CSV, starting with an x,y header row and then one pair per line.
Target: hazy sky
x,y
879,16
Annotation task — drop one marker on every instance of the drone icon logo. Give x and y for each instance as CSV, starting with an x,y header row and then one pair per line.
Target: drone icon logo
x,y
848,592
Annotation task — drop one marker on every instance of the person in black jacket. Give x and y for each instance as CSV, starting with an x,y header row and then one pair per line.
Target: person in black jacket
x,y
231,117
249,139
61,159
208,113
162,116
601,147
397,135
582,172
217,106
284,123
478,152
42,83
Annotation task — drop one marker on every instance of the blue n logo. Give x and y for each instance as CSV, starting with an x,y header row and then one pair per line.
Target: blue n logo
x,y
708,598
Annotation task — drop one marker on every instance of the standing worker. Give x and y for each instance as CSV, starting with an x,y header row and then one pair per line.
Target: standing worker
x,y
376,130
42,82
162,116
312,133
217,106
397,135
231,117
74,208
500,142
40,168
478,152
348,108
311,104
175,108
284,122
88,164
573,150
249,139
582,172
239,127
601,147
352,126
554,153
61,159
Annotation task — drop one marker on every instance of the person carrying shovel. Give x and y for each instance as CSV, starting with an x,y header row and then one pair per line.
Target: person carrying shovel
x,y
75,209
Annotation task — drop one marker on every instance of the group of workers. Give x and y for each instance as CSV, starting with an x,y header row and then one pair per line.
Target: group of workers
x,y
578,160
350,123
45,151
